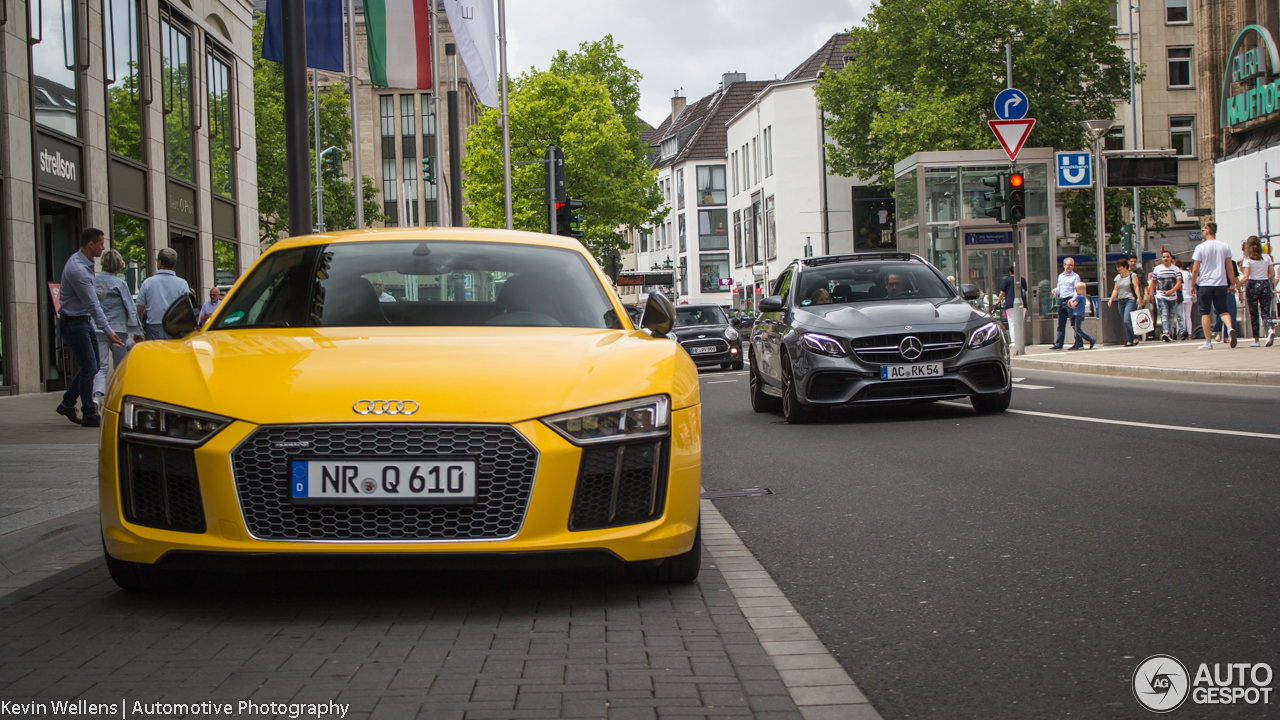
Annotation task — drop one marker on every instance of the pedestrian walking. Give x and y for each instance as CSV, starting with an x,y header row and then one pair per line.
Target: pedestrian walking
x,y
78,311
1233,306
1167,287
207,309
1078,304
1065,292
117,305
1122,293
1211,277
1259,273
158,292
1006,291
1188,300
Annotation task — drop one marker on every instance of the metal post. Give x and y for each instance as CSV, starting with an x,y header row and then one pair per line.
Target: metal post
x,y
315,118
1008,65
1099,196
357,179
442,216
506,117
455,143
1139,234
297,154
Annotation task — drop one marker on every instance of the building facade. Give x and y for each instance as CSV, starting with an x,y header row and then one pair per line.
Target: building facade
x,y
133,116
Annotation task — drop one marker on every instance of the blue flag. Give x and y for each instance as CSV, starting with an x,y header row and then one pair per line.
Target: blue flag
x,y
324,34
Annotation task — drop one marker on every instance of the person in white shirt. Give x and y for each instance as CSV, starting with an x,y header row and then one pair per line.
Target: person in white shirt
x,y
1166,285
1257,278
1065,291
1212,278
1188,299
383,295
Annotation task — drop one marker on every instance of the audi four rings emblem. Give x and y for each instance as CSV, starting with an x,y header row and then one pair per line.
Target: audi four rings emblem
x,y
385,407
910,347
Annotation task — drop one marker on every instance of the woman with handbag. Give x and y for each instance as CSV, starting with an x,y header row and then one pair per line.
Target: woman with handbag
x,y
117,305
1123,292
1257,278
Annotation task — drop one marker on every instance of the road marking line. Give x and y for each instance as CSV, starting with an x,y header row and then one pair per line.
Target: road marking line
x,y
1152,426
1034,387
720,382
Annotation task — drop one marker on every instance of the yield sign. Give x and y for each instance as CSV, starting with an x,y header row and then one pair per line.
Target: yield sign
x,y
1012,134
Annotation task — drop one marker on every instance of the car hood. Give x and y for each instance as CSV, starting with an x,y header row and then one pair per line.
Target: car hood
x,y
455,374
887,315
690,332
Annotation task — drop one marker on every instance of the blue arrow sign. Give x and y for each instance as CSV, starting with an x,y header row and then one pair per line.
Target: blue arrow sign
x,y
1012,104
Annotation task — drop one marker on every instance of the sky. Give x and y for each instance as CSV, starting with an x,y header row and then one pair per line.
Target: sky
x,y
684,44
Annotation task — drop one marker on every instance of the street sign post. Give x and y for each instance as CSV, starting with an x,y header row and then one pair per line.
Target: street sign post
x,y
1075,170
1012,134
1011,104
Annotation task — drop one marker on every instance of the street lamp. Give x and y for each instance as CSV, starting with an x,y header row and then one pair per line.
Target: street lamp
x,y
1097,129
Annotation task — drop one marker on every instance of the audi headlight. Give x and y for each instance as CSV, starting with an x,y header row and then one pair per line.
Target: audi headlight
x,y
822,344
985,335
151,420
628,420
730,334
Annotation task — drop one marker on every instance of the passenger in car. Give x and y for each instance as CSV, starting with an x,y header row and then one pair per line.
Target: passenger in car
x,y
821,297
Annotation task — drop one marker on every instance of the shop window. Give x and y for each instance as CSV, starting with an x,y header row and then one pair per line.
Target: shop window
x,y
225,262
711,185
222,140
713,229
1179,67
55,66
714,267
175,82
129,238
122,68
1176,12
907,196
1181,136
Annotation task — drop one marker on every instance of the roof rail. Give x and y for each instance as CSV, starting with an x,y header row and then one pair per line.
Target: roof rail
x,y
831,259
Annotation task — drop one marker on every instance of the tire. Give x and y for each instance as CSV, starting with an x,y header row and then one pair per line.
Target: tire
x,y
679,569
760,402
725,366
137,577
992,403
792,410
737,365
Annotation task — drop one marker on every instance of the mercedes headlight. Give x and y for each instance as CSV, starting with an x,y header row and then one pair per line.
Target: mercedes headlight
x,y
730,334
162,422
628,420
985,335
822,344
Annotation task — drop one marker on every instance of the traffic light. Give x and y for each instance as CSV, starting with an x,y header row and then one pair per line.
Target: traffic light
x,y
1016,198
568,221
613,263
995,198
1126,237
330,165
429,169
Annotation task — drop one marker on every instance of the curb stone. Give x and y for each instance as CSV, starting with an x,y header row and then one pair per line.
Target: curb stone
x,y
1236,377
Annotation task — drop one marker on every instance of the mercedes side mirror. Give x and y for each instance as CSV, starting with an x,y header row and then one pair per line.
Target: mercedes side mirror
x,y
180,317
659,315
773,303
970,292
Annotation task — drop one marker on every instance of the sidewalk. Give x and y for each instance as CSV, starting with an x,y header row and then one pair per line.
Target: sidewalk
x,y
1164,361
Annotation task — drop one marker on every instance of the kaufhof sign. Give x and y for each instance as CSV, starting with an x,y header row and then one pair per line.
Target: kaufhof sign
x,y
1250,86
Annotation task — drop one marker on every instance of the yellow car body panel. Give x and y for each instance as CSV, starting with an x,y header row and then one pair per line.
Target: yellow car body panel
x,y
485,375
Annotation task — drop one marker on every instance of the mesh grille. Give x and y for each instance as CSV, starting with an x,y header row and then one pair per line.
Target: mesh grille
x,y
505,467
615,490
830,385
861,344
160,488
908,389
988,376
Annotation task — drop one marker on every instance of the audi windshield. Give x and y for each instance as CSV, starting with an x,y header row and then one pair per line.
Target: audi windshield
x,y
399,283
871,282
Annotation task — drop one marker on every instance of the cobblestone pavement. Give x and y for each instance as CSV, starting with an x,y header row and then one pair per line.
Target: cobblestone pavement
x,y
43,482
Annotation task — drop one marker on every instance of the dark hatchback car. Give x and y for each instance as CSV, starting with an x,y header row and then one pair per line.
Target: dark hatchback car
x,y
870,328
705,333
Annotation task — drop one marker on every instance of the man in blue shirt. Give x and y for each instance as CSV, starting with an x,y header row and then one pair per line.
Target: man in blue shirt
x,y
78,309
1066,290
158,292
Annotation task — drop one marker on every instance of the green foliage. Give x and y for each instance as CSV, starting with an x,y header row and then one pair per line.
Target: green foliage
x,y
335,130
176,84
925,74
124,113
585,104
129,238
1155,205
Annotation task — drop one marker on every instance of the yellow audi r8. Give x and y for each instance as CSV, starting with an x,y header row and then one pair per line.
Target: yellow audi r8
x,y
433,396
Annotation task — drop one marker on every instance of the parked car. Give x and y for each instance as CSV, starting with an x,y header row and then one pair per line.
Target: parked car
x,y
705,333
872,328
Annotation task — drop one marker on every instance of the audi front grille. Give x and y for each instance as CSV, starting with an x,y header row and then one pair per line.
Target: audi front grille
x,y
505,467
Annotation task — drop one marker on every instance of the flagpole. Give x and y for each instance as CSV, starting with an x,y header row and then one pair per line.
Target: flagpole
x,y
506,117
442,217
357,180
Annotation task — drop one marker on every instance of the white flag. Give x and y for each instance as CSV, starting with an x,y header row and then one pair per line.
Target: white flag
x,y
473,29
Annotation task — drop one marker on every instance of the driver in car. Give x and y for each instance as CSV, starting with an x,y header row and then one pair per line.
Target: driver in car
x,y
894,285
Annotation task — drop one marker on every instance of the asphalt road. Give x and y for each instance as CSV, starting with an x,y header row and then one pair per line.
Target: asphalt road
x,y
1017,565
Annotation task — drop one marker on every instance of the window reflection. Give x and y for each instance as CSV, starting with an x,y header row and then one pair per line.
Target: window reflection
x,y
221,128
122,68
175,77
53,65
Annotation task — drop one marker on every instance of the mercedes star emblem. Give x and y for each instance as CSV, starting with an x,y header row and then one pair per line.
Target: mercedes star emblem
x,y
911,348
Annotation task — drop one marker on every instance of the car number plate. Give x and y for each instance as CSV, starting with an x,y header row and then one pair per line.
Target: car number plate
x,y
702,350
910,372
383,482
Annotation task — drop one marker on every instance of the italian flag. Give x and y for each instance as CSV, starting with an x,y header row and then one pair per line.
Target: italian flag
x,y
399,34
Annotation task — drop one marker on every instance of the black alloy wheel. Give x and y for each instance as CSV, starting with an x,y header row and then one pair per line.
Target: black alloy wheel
x,y
137,577
792,410
760,402
679,569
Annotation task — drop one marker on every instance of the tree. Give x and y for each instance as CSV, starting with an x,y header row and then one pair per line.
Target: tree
x,y
586,106
924,75
335,131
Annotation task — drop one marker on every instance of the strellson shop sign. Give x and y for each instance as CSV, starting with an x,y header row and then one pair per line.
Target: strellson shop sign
x,y
1259,64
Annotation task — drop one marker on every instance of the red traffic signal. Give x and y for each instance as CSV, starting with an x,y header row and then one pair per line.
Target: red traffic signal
x,y
1015,180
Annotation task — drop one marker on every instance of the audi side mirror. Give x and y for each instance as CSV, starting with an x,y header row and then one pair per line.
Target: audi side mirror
x,y
659,315
970,292
180,317
773,303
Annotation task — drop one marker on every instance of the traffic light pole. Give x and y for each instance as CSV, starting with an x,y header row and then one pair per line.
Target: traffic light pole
x,y
297,156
